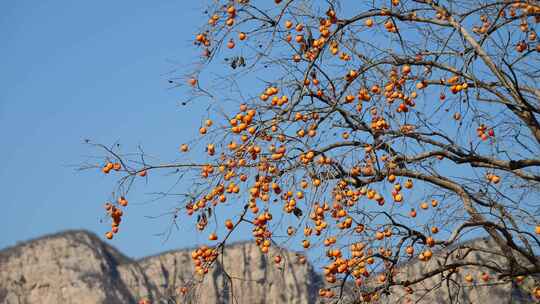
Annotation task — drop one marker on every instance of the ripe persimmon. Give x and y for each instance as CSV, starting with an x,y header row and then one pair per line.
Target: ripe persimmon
x,y
369,22
288,24
410,250
122,201
408,183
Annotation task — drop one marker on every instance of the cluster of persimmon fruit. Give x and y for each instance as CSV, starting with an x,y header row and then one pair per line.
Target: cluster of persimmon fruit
x,y
517,9
230,14
484,133
244,154
111,166
265,185
202,258
115,213
392,89
345,197
310,50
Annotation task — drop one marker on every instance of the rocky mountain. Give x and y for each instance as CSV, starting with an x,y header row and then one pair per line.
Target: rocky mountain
x,y
77,267
452,287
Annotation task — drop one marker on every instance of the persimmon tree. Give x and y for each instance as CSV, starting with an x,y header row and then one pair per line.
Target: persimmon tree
x,y
373,132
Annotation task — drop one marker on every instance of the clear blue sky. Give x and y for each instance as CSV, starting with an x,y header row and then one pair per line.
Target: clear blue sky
x,y
87,69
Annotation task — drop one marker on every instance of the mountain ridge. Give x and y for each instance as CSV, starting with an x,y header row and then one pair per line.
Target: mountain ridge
x,y
76,266
88,270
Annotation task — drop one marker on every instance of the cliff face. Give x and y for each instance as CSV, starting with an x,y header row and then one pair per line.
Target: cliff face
x,y
451,287
77,267
74,267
